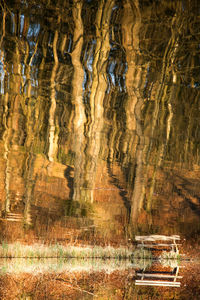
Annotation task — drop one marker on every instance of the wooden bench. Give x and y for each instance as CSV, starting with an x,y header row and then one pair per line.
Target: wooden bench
x,y
156,279
155,241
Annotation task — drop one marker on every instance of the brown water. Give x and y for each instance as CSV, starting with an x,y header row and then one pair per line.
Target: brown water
x,y
100,127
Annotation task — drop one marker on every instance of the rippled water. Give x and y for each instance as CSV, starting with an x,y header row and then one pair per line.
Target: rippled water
x,y
99,123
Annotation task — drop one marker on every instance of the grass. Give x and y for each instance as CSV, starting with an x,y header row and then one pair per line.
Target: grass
x,y
39,258
142,254
42,258
35,266
170,255
170,259
17,250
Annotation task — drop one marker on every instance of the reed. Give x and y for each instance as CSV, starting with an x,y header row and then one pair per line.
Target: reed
x,y
61,265
17,250
170,259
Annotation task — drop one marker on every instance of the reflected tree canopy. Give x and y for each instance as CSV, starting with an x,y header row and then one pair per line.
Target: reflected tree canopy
x,y
99,122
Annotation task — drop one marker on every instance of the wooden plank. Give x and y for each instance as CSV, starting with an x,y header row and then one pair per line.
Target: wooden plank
x,y
158,275
152,238
156,245
157,283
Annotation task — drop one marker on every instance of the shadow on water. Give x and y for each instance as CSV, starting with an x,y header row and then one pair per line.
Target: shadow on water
x,y
74,208
71,207
70,180
186,189
122,192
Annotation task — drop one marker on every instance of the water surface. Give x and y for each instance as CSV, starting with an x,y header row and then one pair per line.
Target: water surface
x,y
99,122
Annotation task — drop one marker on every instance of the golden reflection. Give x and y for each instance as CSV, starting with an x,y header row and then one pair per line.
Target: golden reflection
x,y
52,137
79,118
99,120
135,80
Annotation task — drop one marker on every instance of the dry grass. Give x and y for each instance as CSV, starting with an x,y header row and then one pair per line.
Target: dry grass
x,y
54,265
17,250
170,259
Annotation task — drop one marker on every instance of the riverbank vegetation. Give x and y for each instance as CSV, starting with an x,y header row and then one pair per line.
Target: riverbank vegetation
x,y
17,250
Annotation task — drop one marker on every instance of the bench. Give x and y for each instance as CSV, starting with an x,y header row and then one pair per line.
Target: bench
x,y
155,241
156,279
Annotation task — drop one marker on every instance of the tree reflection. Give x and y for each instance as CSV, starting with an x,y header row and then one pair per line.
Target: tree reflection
x,y
100,98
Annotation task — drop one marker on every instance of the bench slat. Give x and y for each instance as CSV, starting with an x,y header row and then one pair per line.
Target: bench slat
x,y
157,283
158,275
152,238
154,245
